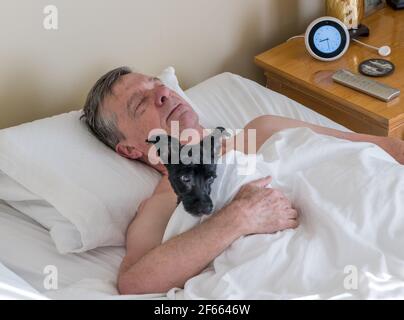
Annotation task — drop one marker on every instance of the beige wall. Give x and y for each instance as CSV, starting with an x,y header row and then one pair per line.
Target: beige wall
x,y
46,72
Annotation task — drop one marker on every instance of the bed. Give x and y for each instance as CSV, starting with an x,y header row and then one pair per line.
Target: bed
x,y
27,249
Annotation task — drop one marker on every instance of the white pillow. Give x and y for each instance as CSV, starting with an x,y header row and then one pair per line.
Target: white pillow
x,y
59,174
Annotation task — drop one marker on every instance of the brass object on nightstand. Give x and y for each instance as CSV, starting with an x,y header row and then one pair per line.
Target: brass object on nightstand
x,y
350,12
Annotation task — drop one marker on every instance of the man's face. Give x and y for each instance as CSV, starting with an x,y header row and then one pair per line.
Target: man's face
x,y
142,103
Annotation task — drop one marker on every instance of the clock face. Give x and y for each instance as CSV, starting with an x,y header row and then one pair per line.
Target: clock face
x,y
327,39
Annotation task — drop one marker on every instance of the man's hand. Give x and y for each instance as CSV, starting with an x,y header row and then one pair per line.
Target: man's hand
x,y
263,210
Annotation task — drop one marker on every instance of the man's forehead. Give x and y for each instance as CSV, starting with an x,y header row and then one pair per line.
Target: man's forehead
x,y
130,81
125,87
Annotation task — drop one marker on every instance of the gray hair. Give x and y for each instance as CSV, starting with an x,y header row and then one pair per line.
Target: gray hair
x,y
103,126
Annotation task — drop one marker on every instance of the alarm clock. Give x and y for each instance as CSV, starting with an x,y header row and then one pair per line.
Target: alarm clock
x,y
327,38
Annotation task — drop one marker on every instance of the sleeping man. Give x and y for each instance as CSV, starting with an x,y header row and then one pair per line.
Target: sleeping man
x,y
121,109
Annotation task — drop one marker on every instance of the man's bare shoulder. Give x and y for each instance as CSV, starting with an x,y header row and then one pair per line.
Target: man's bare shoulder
x,y
267,125
264,126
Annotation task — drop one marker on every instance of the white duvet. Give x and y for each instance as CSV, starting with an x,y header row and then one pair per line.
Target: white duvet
x,y
350,242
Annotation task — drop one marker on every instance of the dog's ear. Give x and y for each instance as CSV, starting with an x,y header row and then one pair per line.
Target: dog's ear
x,y
168,148
220,132
212,144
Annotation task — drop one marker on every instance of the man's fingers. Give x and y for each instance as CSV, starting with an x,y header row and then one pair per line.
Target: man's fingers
x,y
263,182
293,223
292,214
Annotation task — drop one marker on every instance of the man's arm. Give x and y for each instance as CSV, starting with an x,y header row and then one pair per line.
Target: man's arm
x,y
147,228
155,267
266,126
172,263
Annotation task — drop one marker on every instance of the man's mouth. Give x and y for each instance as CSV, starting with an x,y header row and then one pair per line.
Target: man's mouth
x,y
172,111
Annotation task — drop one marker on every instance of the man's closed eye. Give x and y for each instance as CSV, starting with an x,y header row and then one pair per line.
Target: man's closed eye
x,y
140,108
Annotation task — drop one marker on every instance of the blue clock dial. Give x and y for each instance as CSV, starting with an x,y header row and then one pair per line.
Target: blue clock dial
x,y
327,39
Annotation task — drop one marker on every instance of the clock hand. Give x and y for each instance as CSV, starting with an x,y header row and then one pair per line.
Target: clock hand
x,y
324,40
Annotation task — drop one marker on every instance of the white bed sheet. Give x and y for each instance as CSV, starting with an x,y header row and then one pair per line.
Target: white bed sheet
x,y
26,248
13,287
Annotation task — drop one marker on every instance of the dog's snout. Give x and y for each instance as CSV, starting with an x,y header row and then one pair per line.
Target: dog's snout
x,y
199,207
206,209
209,208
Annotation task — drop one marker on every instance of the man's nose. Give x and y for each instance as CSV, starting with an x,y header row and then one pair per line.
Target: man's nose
x,y
161,95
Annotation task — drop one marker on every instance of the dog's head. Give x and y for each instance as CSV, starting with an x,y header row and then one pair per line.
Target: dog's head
x,y
191,169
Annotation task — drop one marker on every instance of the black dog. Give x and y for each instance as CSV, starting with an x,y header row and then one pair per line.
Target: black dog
x,y
191,169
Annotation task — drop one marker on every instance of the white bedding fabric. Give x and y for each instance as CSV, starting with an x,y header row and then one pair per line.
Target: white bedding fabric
x,y
350,197
12,287
26,247
83,192
231,101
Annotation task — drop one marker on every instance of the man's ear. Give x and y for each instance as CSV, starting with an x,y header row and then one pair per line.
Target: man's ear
x,y
129,152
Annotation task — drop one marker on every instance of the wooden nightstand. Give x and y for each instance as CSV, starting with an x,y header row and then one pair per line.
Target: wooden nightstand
x,y
291,71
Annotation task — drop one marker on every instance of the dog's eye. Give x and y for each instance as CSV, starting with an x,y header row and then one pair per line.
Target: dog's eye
x,y
185,179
